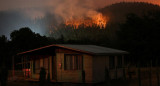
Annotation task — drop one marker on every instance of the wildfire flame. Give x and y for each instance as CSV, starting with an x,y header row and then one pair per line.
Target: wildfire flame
x,y
98,20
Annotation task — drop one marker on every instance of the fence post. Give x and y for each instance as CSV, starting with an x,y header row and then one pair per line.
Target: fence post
x,y
116,73
83,76
150,74
139,75
13,66
107,77
157,73
124,73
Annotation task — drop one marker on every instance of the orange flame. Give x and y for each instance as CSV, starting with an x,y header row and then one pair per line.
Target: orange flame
x,y
98,20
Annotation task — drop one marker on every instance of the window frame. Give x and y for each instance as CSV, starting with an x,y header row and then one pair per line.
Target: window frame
x,y
78,61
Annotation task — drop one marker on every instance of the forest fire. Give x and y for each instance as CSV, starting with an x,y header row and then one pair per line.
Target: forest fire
x,y
94,20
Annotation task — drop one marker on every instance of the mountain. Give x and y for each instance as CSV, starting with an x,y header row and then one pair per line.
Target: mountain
x,y
117,12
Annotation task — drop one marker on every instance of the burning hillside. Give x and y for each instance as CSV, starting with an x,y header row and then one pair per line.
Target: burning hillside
x,y
94,20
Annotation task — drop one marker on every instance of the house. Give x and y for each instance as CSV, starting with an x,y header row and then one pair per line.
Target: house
x,y
74,63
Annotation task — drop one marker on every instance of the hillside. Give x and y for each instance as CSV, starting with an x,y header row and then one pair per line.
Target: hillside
x,y
117,12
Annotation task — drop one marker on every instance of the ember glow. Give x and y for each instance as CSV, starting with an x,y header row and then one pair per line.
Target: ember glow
x,y
94,20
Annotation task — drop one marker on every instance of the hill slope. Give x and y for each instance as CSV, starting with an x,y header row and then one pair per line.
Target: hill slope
x,y
117,12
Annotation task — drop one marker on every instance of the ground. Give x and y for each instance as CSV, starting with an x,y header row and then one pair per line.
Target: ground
x,y
29,83
132,82
144,76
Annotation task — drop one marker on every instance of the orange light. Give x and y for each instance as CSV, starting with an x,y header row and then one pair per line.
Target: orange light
x,y
98,20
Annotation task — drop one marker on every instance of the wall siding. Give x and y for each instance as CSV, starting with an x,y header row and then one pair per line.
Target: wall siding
x,y
33,75
117,72
99,64
42,61
66,75
50,66
87,66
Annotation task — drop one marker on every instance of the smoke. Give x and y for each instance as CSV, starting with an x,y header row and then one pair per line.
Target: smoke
x,y
38,8
61,10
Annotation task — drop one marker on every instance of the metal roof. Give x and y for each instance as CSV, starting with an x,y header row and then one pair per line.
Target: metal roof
x,y
92,49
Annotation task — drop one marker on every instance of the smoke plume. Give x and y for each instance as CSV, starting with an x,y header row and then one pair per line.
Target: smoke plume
x,y
62,10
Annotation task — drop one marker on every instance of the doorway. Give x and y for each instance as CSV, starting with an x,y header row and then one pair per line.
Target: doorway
x,y
54,70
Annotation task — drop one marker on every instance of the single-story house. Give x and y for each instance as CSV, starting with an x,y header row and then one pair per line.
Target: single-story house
x,y
74,63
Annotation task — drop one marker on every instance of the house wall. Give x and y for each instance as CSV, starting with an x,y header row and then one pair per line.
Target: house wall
x,y
50,66
44,62
117,73
94,67
88,67
99,65
33,75
73,75
66,75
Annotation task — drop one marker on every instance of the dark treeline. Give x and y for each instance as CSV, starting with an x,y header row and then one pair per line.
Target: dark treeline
x,y
138,35
21,40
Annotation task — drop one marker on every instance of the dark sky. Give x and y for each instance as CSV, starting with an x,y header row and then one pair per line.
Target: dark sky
x,y
20,13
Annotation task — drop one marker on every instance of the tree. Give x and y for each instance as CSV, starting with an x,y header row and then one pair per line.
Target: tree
x,y
24,39
140,36
3,49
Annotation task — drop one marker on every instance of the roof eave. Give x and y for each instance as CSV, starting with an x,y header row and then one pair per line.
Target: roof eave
x,y
54,45
102,54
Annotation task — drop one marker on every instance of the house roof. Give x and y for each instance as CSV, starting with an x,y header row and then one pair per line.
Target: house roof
x,y
90,49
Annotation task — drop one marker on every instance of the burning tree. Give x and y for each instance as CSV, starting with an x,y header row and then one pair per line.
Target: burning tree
x,y
94,20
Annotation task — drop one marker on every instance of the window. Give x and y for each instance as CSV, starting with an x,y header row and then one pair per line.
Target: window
x,y
72,62
111,62
119,61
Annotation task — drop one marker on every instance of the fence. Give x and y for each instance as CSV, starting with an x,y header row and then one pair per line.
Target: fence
x,y
148,76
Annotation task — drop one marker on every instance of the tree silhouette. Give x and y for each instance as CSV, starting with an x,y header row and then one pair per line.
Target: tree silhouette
x,y
25,39
3,49
140,36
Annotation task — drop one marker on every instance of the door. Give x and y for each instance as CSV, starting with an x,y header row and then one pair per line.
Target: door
x,y
54,70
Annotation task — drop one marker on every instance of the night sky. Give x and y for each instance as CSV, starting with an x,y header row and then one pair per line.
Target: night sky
x,y
15,14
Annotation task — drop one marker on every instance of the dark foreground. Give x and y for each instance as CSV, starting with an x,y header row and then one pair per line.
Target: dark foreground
x,y
30,83
112,83
132,82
